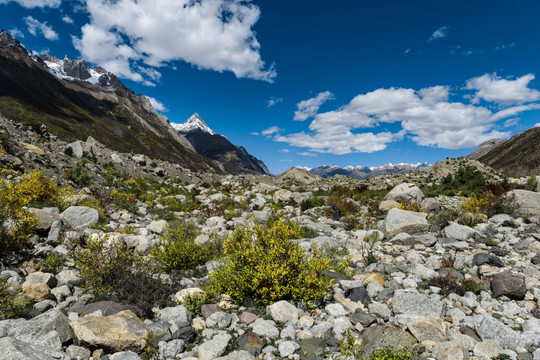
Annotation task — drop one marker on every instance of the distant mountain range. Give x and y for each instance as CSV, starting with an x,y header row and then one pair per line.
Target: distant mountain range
x,y
517,156
364,172
235,159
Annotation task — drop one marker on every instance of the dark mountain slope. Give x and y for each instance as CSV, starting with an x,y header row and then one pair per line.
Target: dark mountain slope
x,y
75,109
517,156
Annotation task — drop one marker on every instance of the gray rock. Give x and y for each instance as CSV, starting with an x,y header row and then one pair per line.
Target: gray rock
x,y
376,337
488,328
433,329
265,328
160,329
74,149
41,278
336,309
484,258
159,227
219,319
282,195
44,219
124,355
359,294
410,222
362,317
178,318
532,325
487,350
50,329
506,284
282,311
78,352
287,348
14,349
405,193
79,217
411,306
55,232
458,232
209,309
450,350
214,348
527,202
431,204
171,349
238,355
313,348
70,277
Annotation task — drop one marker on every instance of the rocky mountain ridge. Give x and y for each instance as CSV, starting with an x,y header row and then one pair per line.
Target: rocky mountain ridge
x,y
234,159
74,109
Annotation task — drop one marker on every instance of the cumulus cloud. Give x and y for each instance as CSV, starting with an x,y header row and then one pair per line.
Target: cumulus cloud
x,y
209,34
537,125
425,116
16,33
271,131
493,88
273,101
67,19
34,3
308,108
35,26
440,33
157,105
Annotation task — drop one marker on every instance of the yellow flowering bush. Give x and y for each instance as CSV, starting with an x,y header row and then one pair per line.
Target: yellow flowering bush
x,y
264,265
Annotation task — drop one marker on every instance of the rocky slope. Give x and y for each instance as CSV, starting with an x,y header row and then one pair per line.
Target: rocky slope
x,y
484,148
234,159
439,285
76,102
364,172
517,156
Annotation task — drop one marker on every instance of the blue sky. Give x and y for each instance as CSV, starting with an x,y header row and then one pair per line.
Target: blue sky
x,y
313,82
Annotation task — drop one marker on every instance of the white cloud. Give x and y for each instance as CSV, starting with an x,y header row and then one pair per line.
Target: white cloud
x,y
308,108
157,105
307,153
254,133
34,3
426,116
284,151
67,19
35,26
16,33
537,125
271,130
210,34
273,101
511,122
440,33
493,88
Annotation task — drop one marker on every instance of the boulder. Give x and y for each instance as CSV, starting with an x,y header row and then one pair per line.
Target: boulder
x,y
405,193
410,222
214,348
282,311
74,149
79,217
282,195
14,349
159,227
123,331
506,284
44,219
434,329
489,328
458,232
412,306
526,202
450,350
376,337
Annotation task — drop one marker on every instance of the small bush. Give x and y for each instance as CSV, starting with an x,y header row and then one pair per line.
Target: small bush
x,y
390,353
311,203
79,175
12,305
177,249
53,263
263,265
113,272
339,205
448,285
412,206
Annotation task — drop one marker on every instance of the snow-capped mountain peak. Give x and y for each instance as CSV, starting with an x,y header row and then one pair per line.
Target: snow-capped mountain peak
x,y
193,123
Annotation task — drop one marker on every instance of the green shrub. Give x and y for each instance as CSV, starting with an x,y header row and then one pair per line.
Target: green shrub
x,y
263,265
53,263
177,249
390,353
78,174
311,203
12,304
339,205
113,272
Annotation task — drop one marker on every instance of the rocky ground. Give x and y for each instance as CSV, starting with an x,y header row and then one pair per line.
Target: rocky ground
x,y
441,289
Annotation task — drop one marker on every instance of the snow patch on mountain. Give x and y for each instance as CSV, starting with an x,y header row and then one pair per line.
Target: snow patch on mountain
x,y
193,123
